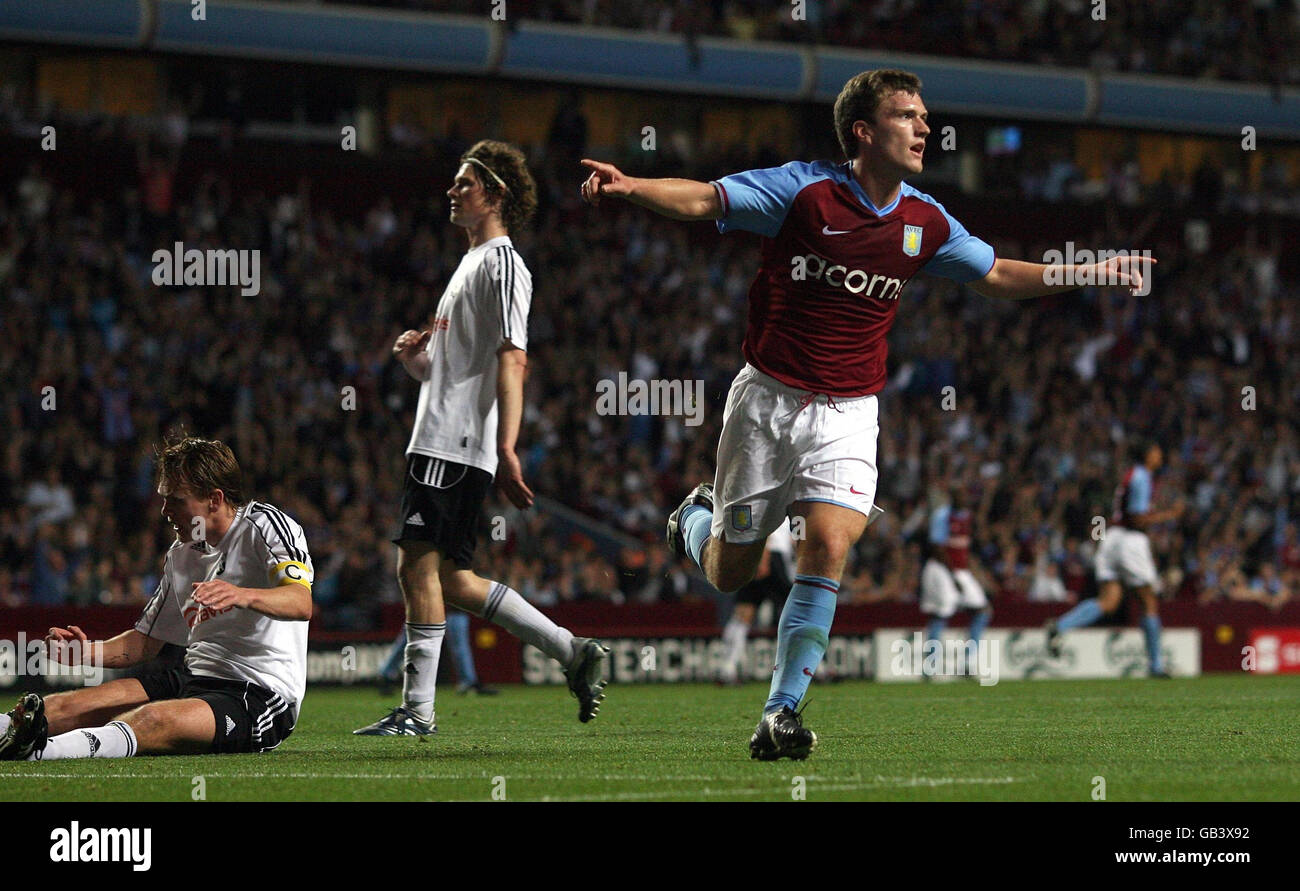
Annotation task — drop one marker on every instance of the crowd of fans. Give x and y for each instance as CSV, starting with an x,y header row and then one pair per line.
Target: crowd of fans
x,y
1047,395
1243,40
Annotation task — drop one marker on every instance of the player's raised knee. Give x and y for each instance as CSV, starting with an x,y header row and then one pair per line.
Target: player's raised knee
x,y
729,579
148,721
824,553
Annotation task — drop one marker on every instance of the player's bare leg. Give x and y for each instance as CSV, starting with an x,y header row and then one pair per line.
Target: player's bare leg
x,y
1109,596
728,566
93,706
418,568
419,576
167,727
54,715
171,727
583,658
830,531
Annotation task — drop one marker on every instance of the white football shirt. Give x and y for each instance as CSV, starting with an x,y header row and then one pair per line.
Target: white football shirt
x,y
484,306
263,548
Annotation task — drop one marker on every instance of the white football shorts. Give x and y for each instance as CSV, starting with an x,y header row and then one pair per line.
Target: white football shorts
x,y
944,591
1125,556
780,445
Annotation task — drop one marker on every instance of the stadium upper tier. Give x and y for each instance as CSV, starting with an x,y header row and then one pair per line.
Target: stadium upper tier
x,y
1254,42
1019,76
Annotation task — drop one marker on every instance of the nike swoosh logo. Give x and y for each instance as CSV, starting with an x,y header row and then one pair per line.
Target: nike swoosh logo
x,y
827,230
807,672
855,491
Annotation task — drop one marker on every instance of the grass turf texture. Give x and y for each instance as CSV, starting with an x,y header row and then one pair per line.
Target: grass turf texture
x,y
1219,737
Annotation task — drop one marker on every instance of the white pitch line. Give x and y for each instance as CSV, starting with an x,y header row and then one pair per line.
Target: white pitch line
x,y
834,787
612,777
829,784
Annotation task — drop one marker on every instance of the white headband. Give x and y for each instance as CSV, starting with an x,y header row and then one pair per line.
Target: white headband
x,y
498,180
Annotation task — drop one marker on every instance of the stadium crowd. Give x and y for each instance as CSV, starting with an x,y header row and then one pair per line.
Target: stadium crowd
x,y
1046,395
1255,41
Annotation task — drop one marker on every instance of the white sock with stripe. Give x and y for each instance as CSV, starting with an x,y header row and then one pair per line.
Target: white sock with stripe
x,y
420,678
506,607
114,740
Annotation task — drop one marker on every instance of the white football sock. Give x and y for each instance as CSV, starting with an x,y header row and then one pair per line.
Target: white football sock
x,y
114,740
507,608
734,635
420,679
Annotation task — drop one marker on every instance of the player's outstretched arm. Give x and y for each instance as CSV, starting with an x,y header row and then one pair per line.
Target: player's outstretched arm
x,y
69,646
678,199
1018,279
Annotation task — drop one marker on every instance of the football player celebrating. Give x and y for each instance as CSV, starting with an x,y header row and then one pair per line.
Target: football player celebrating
x,y
1124,558
471,367
235,592
839,243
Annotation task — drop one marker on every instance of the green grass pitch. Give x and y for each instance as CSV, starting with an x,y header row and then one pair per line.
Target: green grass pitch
x,y
1219,737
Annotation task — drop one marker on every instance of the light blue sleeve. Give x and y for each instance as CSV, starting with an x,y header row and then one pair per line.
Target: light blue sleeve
x,y
963,257
939,525
1139,492
758,200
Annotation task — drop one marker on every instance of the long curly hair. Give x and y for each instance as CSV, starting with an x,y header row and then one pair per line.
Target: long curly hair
x,y
519,197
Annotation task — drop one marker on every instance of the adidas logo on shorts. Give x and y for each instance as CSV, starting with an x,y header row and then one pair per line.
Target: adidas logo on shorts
x,y
230,724
415,520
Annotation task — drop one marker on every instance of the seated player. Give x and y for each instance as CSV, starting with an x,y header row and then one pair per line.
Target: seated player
x,y
1124,559
771,582
947,582
235,592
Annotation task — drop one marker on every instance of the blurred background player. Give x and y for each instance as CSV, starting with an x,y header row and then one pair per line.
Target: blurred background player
x,y
471,366
237,597
1124,558
771,583
948,583
462,657
839,244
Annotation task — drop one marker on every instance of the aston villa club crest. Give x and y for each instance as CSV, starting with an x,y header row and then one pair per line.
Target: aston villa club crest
x,y
912,240
742,517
